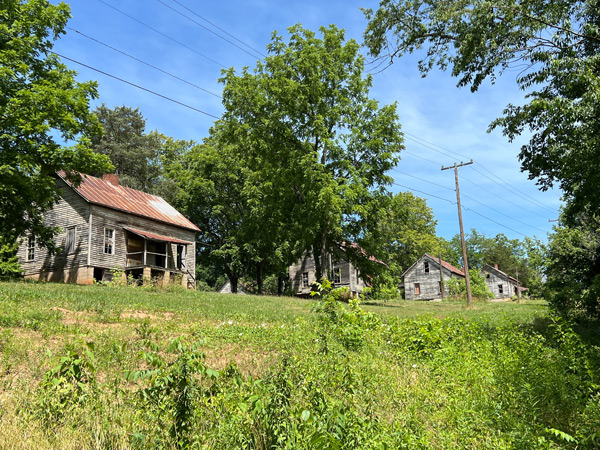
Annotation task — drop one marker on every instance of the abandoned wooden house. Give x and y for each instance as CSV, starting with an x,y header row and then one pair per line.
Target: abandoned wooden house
x,y
341,272
422,280
500,283
106,227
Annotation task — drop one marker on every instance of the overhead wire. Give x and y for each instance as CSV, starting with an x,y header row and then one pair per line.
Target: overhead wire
x,y
143,62
136,85
162,34
218,28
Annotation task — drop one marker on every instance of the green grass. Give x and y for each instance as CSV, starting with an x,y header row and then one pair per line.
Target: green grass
x,y
402,374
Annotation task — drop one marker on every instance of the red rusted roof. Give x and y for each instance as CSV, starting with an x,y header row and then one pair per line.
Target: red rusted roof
x,y
101,192
447,265
363,253
156,237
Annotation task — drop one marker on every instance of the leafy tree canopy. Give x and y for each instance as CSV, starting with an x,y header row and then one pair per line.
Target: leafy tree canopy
x,y
135,154
555,44
304,123
41,108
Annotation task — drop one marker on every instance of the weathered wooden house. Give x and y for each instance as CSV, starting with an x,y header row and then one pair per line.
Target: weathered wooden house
x,y
422,280
500,283
105,226
342,272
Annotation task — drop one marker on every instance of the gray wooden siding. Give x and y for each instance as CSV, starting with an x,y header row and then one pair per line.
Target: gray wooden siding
x,y
108,218
428,282
494,280
70,211
307,265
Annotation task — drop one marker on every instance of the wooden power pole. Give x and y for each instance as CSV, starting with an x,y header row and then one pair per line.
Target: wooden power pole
x,y
462,231
441,278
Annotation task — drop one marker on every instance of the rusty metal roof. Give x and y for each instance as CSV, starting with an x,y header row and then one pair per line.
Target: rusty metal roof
x,y
104,193
156,237
447,265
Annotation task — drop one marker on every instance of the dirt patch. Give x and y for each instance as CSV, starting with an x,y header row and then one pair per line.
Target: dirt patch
x,y
249,361
72,317
146,315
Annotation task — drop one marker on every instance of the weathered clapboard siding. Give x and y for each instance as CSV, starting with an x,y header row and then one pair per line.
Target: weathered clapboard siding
x,y
428,282
499,283
70,211
103,217
349,276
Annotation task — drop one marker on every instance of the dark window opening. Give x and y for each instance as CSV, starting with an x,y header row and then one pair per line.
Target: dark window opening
x,y
305,279
487,275
181,257
31,248
500,289
109,241
70,242
337,275
426,266
156,253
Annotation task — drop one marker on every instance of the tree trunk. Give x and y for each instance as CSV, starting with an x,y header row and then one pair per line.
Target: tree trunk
x,y
317,258
279,285
259,278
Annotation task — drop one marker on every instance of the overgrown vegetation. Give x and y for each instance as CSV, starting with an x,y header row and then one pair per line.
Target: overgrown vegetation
x,y
116,367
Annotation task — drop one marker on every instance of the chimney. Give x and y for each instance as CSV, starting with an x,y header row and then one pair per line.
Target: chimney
x,y
495,265
112,178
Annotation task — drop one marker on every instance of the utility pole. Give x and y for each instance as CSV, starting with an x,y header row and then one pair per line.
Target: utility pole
x,y
462,232
518,288
441,278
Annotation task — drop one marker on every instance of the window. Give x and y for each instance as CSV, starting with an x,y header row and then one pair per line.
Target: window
x,y
30,248
337,275
417,289
426,266
500,289
181,257
487,275
305,279
109,241
70,242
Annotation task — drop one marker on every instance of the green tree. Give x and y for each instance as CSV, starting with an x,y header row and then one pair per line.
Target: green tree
x,y
556,44
211,182
479,287
42,108
303,122
135,154
405,230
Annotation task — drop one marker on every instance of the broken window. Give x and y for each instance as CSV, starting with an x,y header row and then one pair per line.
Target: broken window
x,y
417,289
487,274
109,241
181,257
337,275
426,266
500,289
305,279
31,248
70,242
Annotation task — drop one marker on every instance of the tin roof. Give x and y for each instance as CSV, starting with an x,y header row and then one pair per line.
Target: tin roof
x,y
156,237
104,193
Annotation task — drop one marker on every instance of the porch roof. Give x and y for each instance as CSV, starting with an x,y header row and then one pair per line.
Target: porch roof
x,y
156,237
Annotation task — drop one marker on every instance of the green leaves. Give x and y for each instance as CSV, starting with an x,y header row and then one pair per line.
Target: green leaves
x,y
43,110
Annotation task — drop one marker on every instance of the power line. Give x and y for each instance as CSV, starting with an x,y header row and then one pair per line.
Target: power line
x,y
143,62
505,186
422,192
218,28
423,179
161,33
447,152
136,85
502,214
492,220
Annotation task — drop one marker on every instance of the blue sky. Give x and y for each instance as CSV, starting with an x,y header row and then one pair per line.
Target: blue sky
x,y
442,123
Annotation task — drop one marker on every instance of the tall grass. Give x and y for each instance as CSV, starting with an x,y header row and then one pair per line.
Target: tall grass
x,y
102,367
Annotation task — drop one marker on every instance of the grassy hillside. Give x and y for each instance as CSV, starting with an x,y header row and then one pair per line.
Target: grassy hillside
x,y
107,367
